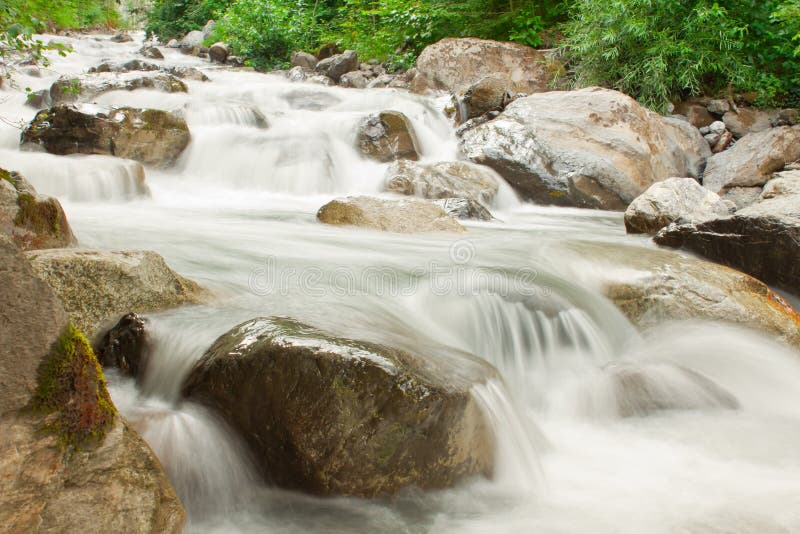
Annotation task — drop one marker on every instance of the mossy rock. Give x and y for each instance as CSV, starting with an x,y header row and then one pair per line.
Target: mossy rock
x,y
387,136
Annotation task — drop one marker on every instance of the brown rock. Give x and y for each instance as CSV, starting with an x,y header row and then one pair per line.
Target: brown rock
x,y
387,136
400,216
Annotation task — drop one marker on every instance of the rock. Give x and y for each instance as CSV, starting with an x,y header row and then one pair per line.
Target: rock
x,y
785,117
303,75
717,127
724,141
745,121
151,52
108,480
659,286
191,73
304,59
400,216
675,200
193,39
594,148
125,66
124,346
753,159
173,43
336,66
218,52
464,208
95,285
87,88
718,107
336,416
762,239
328,50
39,99
387,136
355,79
209,29
235,61
150,136
455,64
697,114
381,81
32,221
712,139
121,37
742,196
32,71
490,93
459,179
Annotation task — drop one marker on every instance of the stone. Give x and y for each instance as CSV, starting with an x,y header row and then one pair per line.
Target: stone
x,y
193,39
87,88
218,52
151,52
450,179
719,106
150,136
124,66
697,114
304,59
209,29
336,66
742,196
336,416
39,99
387,136
746,121
593,148
464,208
173,43
675,200
723,142
399,216
355,80
121,37
328,50
125,346
381,82
490,93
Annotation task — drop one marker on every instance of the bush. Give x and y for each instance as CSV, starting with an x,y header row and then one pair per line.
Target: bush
x,y
172,19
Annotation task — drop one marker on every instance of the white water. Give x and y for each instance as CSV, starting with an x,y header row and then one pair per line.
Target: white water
x,y
237,214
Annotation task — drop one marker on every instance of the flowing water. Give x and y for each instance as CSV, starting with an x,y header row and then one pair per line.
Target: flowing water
x,y
237,214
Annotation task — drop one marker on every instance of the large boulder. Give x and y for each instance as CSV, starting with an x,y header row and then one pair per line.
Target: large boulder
x,y
32,221
449,179
95,285
387,136
753,159
675,200
401,216
192,41
455,64
67,90
762,239
151,136
355,79
218,52
336,416
745,121
68,461
594,148
658,286
304,59
490,93
336,66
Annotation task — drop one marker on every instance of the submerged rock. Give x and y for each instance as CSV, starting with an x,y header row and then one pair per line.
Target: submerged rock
x,y
151,136
335,416
401,216
449,179
86,88
95,285
387,136
124,346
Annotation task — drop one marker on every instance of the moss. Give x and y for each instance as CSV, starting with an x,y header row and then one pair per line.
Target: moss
x,y
71,386
41,217
5,175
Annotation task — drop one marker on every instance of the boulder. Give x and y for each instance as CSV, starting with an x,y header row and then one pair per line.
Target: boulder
x,y
32,221
70,464
336,416
464,208
753,159
387,136
151,52
95,285
697,114
594,148
125,346
328,50
111,66
173,43
659,285
490,93
449,179
741,197
218,52
150,136
191,73
303,75
87,88
193,39
719,106
336,66
381,82
209,29
355,79
121,37
762,239
745,121
400,216
455,64
304,59
675,200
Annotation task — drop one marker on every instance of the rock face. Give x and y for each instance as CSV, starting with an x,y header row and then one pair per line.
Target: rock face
x,y
753,159
387,136
594,148
674,287
303,59
336,66
86,88
218,52
336,416
95,285
400,216
762,239
32,221
455,64
124,346
491,93
450,179
151,136
114,483
675,200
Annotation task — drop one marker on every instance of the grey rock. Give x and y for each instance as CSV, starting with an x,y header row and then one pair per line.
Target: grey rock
x,y
398,216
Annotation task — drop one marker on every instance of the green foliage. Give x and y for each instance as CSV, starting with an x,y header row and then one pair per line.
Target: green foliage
x,y
172,19
39,15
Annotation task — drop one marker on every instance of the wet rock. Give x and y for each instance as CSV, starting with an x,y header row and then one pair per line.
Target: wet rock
x,y
762,239
336,416
594,148
151,52
491,93
336,66
455,64
32,221
124,346
39,99
746,121
464,208
121,37
218,52
355,79
675,200
459,179
96,285
191,73
87,88
753,159
150,136
400,216
304,59
303,75
387,136
125,66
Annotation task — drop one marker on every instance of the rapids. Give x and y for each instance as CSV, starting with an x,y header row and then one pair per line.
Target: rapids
x,y
237,214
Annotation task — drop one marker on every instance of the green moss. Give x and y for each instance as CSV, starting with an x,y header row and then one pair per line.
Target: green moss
x,y
40,217
5,175
71,385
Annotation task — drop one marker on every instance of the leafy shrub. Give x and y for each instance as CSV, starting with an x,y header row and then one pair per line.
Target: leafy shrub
x,y
172,19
